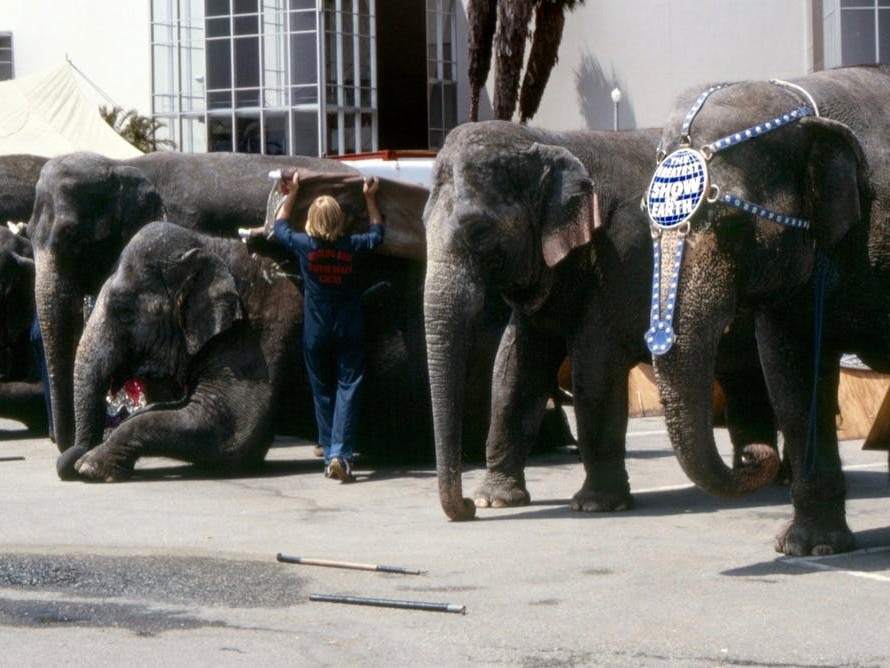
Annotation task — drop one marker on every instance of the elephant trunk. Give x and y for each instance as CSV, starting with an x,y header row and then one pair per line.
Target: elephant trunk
x,y
60,312
94,366
451,302
685,376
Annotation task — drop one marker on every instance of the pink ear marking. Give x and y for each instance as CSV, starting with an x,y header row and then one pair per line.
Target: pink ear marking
x,y
597,218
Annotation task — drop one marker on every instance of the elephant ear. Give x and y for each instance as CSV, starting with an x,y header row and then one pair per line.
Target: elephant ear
x,y
138,201
835,175
25,264
569,206
207,302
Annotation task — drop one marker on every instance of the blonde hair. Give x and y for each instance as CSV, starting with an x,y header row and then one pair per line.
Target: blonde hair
x,y
325,219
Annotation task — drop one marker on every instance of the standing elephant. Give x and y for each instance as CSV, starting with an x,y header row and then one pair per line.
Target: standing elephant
x,y
784,208
551,223
21,390
86,209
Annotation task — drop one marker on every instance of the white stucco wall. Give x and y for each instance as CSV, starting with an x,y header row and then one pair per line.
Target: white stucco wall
x,y
107,40
650,49
653,49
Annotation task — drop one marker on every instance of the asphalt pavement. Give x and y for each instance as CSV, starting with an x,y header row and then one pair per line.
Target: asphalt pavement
x,y
179,568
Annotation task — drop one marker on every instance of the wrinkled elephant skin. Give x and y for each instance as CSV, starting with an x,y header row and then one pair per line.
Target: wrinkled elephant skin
x,y
21,390
87,207
18,176
551,223
833,171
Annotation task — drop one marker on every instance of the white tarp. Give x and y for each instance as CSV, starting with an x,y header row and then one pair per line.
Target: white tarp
x,y
47,114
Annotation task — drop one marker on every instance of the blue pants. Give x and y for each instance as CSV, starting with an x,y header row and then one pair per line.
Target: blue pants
x,y
333,349
40,360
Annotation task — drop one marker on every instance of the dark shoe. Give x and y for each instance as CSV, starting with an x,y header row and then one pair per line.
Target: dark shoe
x,y
339,469
318,451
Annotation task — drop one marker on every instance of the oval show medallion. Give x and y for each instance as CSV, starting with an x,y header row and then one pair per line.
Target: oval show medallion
x,y
677,188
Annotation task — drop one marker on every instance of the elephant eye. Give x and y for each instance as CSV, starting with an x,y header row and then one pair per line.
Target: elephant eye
x,y
476,228
122,311
481,235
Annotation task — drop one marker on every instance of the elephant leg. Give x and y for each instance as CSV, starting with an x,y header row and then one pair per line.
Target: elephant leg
x,y
599,379
524,372
818,492
183,433
23,401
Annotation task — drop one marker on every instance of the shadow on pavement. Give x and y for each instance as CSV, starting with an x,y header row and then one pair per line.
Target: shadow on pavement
x,y
870,556
684,500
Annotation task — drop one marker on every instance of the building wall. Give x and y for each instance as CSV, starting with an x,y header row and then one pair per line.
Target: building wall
x,y
108,40
650,49
654,49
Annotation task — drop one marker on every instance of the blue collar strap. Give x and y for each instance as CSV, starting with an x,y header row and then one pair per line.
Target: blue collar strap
x,y
660,335
757,210
755,131
687,122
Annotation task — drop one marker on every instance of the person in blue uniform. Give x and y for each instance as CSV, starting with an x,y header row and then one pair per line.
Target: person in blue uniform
x,y
333,325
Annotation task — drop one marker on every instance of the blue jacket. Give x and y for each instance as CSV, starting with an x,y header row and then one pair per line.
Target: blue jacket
x,y
330,269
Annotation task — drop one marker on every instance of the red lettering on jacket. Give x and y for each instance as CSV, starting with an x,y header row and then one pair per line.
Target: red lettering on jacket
x,y
330,254
317,268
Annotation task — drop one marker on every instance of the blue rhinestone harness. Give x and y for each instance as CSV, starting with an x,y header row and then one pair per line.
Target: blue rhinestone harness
x,y
680,186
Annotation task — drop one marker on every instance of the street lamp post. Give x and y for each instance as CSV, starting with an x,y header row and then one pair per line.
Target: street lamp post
x,y
616,98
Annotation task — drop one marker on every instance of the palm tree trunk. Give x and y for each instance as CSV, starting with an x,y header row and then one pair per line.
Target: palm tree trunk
x,y
482,19
549,22
509,41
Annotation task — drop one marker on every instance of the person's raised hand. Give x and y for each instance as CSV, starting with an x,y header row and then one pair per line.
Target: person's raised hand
x,y
293,185
370,186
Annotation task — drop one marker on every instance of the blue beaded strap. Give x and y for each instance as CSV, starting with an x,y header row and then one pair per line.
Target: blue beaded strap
x,y
756,130
684,130
757,210
660,336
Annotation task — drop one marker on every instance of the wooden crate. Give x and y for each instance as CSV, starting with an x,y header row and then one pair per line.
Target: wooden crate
x,y
864,408
642,393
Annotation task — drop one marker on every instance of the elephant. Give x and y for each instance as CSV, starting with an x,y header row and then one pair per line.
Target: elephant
x,y
214,331
21,388
784,211
209,329
18,176
88,206
550,222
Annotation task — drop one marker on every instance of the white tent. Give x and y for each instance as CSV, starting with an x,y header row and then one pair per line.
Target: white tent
x,y
47,114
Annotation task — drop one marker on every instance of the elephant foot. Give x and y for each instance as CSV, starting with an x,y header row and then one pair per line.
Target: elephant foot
x,y
601,501
501,491
811,538
95,465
